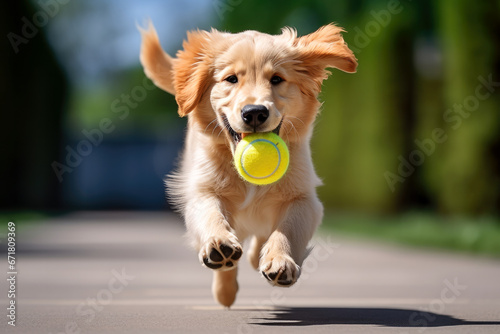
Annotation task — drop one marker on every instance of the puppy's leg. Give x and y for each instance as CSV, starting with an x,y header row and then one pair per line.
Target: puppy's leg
x,y
225,286
214,238
254,251
285,250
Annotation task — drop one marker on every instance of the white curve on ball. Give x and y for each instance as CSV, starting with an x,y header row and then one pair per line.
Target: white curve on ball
x,y
250,144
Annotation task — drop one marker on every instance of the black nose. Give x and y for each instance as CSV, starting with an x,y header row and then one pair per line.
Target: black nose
x,y
254,114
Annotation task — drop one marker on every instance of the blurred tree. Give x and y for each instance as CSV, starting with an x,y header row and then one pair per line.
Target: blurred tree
x,y
33,93
467,178
365,116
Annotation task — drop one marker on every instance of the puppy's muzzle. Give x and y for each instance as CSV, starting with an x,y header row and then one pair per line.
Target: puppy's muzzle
x,y
254,115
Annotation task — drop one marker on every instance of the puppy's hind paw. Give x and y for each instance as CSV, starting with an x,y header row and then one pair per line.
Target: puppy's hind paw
x,y
280,271
220,253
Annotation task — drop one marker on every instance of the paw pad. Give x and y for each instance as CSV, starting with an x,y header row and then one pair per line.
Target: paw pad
x,y
281,272
220,255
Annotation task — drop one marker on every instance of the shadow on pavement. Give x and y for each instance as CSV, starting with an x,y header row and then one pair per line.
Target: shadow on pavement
x,y
309,316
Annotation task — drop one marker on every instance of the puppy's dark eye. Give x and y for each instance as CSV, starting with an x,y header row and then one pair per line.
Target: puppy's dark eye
x,y
232,79
275,80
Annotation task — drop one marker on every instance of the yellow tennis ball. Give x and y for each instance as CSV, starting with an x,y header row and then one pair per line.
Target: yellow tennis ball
x,y
261,158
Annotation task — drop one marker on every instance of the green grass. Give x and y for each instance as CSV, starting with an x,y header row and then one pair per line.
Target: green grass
x,y
469,235
23,219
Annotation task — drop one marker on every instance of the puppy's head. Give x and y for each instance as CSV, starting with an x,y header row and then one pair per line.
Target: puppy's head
x,y
237,84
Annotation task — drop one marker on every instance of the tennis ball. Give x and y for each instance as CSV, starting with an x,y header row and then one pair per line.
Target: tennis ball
x,y
261,158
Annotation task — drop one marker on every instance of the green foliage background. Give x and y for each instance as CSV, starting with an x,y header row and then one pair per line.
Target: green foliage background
x,y
419,61
414,65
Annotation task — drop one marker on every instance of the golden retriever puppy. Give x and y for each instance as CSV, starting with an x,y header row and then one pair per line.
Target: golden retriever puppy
x,y
229,85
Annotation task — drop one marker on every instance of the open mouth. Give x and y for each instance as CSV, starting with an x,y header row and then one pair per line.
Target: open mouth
x,y
236,136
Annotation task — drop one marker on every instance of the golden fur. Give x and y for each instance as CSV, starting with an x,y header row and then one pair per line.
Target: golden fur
x,y
220,209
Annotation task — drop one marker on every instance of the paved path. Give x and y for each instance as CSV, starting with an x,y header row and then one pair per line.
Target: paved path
x,y
133,273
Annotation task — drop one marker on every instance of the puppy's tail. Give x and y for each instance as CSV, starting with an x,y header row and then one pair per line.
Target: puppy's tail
x,y
156,62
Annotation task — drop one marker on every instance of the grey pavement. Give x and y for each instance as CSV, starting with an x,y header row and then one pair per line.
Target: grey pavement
x,y
135,273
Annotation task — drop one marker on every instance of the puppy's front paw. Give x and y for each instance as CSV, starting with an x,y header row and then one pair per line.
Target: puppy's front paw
x,y
221,253
280,270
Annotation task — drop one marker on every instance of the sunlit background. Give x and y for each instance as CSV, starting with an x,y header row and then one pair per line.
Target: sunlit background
x,y
415,133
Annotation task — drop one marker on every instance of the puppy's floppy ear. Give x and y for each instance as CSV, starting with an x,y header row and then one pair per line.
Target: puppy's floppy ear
x,y
324,48
156,62
192,70
327,48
